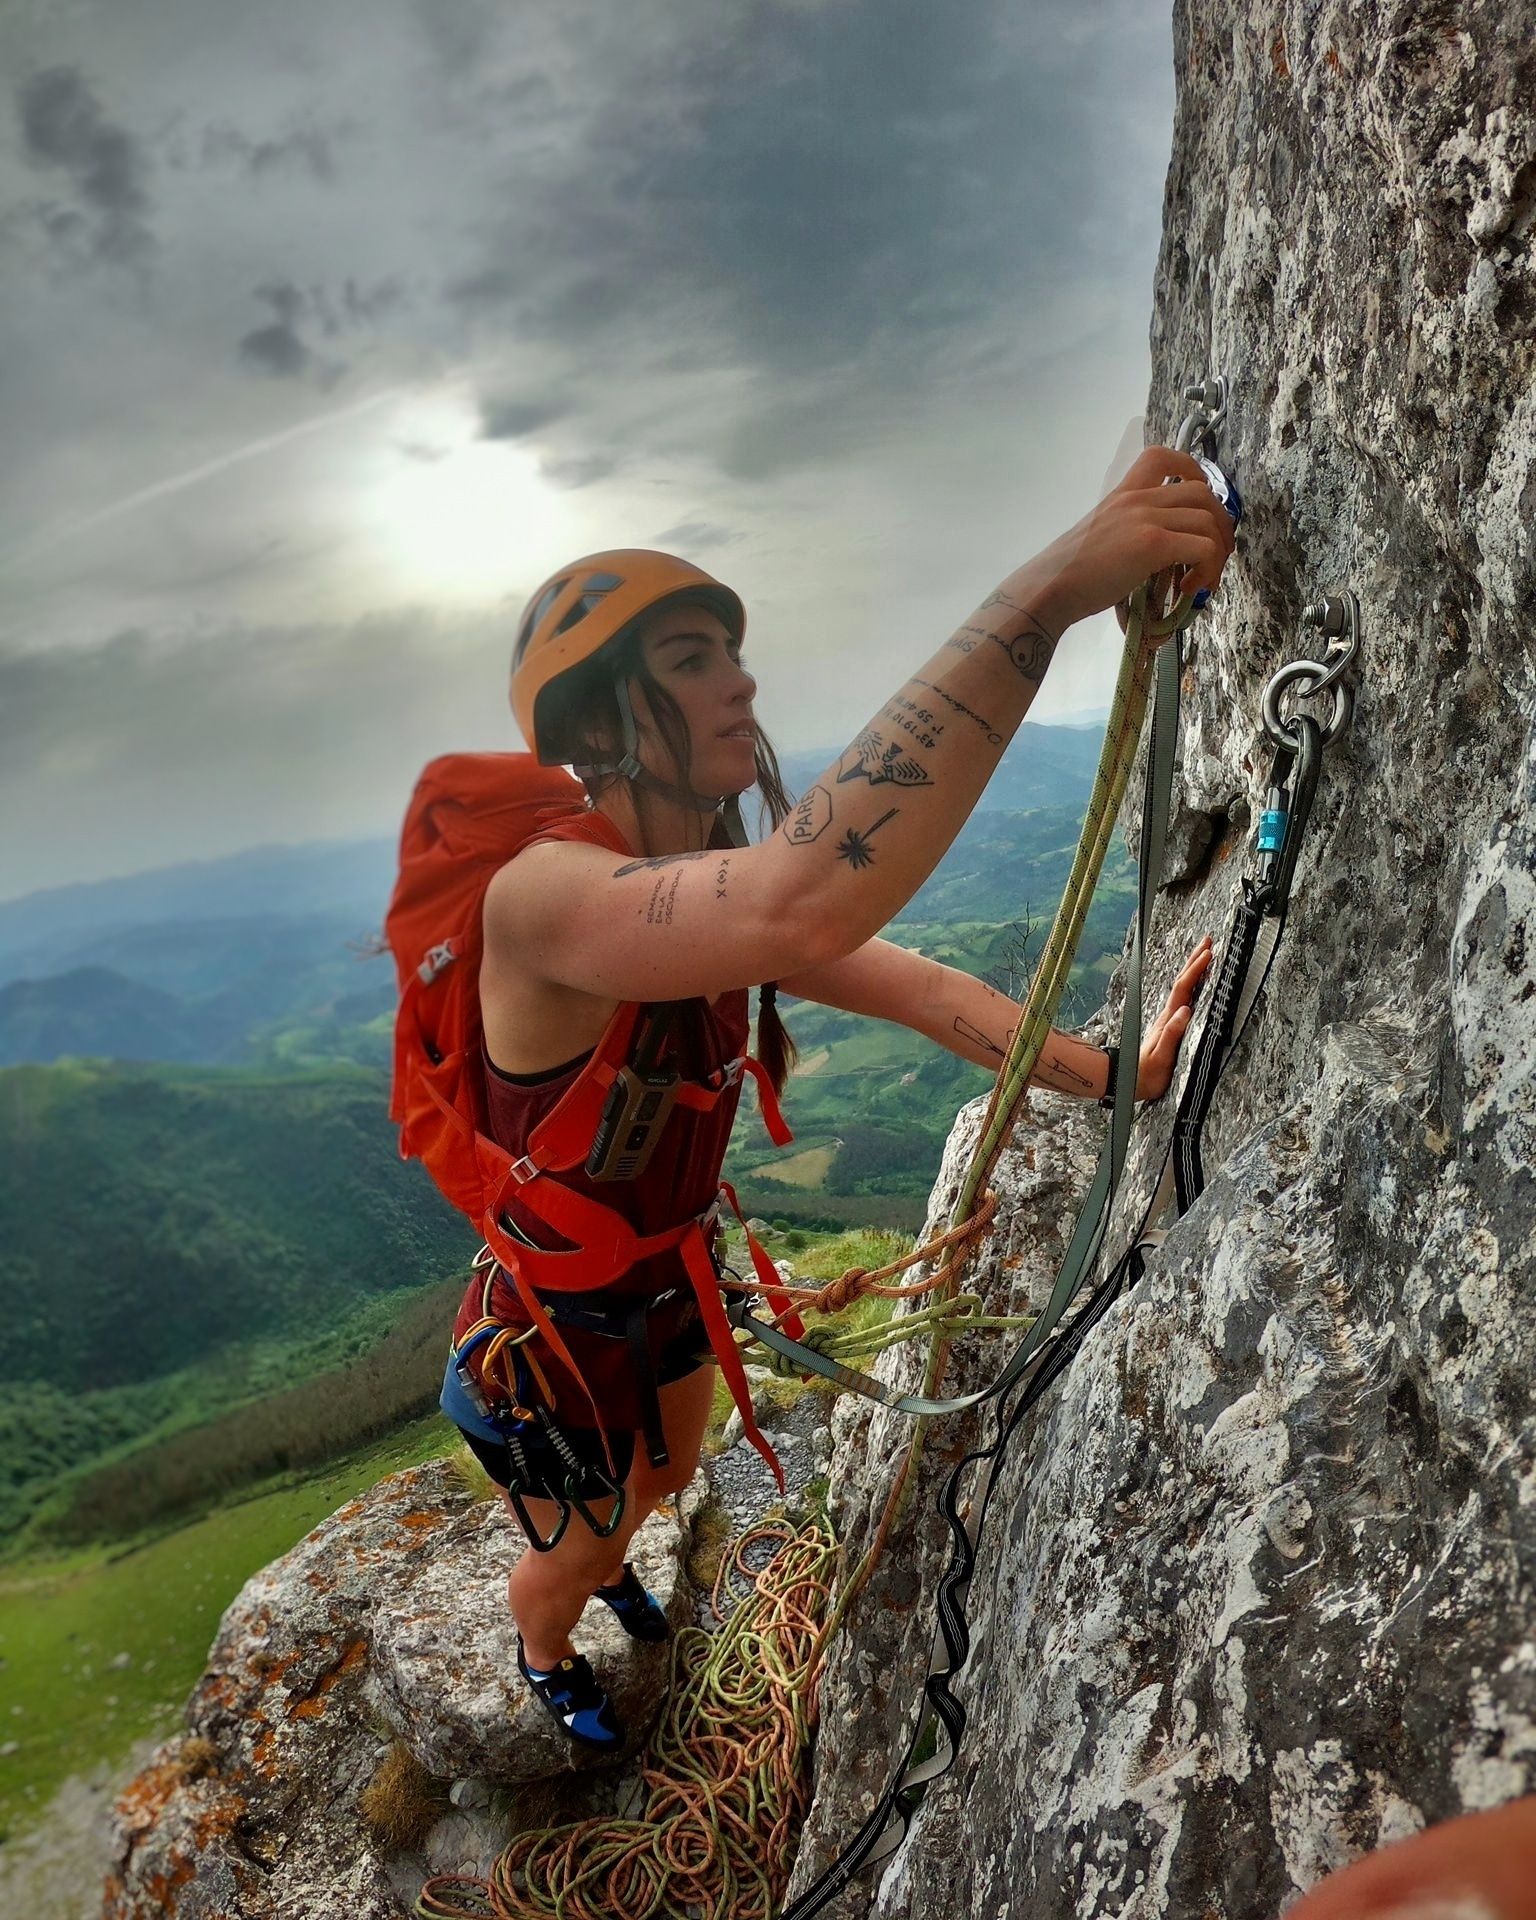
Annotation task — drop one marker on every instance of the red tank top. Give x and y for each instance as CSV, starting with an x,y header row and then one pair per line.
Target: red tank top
x,y
681,1178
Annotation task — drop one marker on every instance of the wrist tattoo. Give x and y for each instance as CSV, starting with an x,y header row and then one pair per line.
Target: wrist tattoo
x,y
1029,651
1060,1068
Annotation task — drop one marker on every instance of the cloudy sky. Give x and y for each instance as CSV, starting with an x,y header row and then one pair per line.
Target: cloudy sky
x,y
330,332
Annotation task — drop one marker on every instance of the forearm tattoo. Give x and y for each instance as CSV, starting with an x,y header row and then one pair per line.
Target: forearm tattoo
x,y
1030,650
1055,1066
994,739
871,758
810,818
1062,1071
914,721
854,846
977,1038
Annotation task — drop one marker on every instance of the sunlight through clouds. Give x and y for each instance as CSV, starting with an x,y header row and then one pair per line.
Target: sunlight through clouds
x,y
444,517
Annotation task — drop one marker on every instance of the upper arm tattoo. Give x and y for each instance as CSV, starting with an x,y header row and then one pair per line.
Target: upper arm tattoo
x,y
660,860
810,819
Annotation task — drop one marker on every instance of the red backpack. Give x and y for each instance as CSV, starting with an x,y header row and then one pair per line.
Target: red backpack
x,y
469,814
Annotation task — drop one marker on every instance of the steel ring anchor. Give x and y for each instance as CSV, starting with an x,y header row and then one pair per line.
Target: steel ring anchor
x,y
1309,671
1338,615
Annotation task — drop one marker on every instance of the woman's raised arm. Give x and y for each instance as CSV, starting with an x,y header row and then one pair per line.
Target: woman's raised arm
x,y
866,834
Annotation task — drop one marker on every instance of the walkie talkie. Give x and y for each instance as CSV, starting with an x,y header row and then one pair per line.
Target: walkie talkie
x,y
636,1109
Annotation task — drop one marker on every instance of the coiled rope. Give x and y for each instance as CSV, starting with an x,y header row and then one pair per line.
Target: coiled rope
x,y
725,1776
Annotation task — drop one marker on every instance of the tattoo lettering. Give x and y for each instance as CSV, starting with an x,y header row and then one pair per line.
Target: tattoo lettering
x,y
969,638
913,719
658,861
993,739
878,763
663,900
854,846
1030,652
810,819
724,869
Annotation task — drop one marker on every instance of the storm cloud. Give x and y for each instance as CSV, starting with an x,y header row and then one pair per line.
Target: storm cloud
x,y
850,295
65,131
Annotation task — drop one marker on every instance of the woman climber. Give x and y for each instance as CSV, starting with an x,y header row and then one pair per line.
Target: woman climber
x,y
628,666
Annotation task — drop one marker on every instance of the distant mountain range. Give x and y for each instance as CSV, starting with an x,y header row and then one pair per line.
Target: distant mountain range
x,y
264,956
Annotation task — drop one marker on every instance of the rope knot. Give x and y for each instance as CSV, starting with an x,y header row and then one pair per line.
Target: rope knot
x,y
818,1338
838,1294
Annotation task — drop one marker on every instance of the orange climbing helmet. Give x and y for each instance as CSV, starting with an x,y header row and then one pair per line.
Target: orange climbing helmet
x,y
584,608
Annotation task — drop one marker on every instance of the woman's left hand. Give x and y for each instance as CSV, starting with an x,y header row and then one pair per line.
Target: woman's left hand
x,y
1160,1048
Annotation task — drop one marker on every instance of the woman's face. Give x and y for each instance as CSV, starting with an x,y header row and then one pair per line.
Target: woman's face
x,y
691,653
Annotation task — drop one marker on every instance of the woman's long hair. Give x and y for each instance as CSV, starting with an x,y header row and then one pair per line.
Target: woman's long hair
x,y
588,713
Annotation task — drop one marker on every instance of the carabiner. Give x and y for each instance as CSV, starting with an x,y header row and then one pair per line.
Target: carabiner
x,y
575,1471
515,1495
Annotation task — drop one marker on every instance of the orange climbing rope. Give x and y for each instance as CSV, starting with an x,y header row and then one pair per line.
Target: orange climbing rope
x,y
725,1775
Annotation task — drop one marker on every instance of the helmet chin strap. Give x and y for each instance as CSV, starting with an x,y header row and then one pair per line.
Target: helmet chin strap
x,y
726,807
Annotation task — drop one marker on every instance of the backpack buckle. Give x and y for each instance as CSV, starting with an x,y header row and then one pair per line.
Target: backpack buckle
x,y
730,1074
522,1171
438,958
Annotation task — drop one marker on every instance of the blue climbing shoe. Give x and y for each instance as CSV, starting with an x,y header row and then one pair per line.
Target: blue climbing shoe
x,y
572,1695
639,1611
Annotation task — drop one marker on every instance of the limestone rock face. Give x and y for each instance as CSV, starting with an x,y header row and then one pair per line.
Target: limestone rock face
x,y
1256,1591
